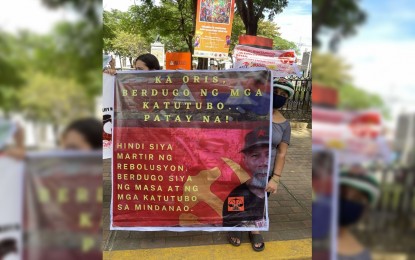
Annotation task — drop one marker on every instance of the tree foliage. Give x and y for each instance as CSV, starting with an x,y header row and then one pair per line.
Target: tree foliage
x,y
91,10
11,80
54,77
52,99
330,70
252,11
266,29
351,97
173,20
339,17
129,45
67,54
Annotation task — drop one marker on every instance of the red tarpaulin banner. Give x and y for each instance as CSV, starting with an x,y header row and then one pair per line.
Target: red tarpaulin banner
x,y
11,206
63,206
178,162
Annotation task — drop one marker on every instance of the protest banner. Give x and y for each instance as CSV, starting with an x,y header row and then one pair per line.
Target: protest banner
x,y
178,137
63,205
107,113
325,202
213,28
11,207
178,60
280,62
355,135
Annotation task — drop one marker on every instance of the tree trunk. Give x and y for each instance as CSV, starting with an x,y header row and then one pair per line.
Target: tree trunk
x,y
252,28
131,62
320,18
189,42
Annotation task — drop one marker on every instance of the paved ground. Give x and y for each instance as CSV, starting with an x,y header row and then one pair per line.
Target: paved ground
x,y
290,249
289,213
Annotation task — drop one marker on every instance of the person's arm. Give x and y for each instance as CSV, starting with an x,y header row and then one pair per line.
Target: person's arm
x,y
278,167
110,71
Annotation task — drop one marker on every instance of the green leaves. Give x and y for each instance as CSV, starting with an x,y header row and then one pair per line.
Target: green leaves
x,y
53,99
331,71
338,18
252,11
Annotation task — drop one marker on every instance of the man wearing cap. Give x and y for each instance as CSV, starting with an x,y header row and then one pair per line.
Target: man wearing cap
x,y
245,205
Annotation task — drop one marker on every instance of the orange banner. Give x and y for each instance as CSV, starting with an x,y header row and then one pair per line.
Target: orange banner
x,y
178,61
213,28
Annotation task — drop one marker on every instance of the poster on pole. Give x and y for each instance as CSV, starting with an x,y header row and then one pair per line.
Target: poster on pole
x,y
213,28
191,150
63,205
280,62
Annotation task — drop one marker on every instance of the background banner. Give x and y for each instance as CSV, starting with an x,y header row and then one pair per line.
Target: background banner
x,y
280,62
178,137
107,113
11,205
63,205
178,60
213,28
355,135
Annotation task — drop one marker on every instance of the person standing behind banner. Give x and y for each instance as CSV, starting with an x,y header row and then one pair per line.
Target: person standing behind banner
x,y
82,135
143,62
147,62
358,192
281,134
109,65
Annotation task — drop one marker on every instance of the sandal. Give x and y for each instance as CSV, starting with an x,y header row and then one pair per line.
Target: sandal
x,y
257,239
234,235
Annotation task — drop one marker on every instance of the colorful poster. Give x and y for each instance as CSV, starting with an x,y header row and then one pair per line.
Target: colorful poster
x,y
63,205
280,62
191,150
178,61
213,28
11,205
107,114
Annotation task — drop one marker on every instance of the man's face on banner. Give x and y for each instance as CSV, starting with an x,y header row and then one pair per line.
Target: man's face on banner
x,y
211,152
256,160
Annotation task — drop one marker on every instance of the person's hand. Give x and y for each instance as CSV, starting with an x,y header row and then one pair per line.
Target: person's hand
x,y
272,186
17,153
110,71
